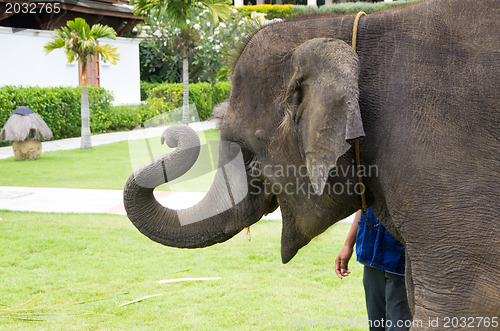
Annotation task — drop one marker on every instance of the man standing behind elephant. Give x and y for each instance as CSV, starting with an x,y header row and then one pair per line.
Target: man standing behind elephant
x,y
383,258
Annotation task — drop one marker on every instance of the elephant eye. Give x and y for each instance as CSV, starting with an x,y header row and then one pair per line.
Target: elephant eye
x,y
298,98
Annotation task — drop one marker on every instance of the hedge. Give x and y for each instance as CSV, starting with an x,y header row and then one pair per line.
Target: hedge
x,y
348,8
145,87
286,11
271,11
166,97
58,106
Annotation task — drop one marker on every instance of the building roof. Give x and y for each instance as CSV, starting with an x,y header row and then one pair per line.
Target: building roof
x,y
117,14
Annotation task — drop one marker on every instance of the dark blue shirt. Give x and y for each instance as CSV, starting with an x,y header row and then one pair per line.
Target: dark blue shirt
x,y
376,247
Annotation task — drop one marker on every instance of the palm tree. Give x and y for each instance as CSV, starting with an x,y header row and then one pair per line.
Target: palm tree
x,y
179,11
80,43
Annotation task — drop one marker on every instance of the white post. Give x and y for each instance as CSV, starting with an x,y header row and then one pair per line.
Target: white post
x,y
312,3
238,3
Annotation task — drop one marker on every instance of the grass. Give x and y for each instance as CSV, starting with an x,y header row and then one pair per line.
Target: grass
x,y
103,167
86,266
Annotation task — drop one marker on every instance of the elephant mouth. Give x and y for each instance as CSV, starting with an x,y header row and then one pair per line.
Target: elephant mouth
x,y
293,236
303,219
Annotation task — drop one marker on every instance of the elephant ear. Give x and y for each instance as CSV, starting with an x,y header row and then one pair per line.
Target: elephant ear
x,y
322,102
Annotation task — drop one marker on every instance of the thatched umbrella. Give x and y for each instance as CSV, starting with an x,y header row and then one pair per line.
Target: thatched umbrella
x,y
25,128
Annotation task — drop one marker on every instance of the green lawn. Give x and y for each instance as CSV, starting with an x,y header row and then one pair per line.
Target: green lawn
x,y
103,167
86,266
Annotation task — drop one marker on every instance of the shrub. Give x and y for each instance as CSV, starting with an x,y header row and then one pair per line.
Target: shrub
x,y
221,92
166,97
286,11
58,106
348,8
128,117
271,11
145,87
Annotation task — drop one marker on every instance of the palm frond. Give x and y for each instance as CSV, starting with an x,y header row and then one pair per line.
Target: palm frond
x,y
63,33
177,10
218,9
147,6
80,26
109,53
70,55
54,44
102,31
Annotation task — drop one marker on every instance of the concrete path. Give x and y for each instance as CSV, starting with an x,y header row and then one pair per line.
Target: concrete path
x,y
65,200
68,200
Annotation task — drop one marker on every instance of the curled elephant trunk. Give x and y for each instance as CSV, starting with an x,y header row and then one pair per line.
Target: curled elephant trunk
x,y
226,209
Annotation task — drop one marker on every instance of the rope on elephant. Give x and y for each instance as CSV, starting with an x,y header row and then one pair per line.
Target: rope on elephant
x,y
356,143
355,28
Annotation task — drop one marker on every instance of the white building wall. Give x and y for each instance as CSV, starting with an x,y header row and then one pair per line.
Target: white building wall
x,y
123,78
23,62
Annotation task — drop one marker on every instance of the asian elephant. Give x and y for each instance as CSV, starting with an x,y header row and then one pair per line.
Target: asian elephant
x,y
421,91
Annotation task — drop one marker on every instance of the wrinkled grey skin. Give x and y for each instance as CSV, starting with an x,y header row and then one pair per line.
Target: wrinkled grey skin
x,y
422,92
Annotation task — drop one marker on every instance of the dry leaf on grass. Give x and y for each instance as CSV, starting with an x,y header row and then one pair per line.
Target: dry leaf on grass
x,y
175,280
23,307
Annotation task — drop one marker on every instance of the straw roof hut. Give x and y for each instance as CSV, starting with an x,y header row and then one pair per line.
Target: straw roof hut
x,y
25,124
25,128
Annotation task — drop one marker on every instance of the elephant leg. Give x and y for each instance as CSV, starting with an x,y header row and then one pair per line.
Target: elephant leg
x,y
446,295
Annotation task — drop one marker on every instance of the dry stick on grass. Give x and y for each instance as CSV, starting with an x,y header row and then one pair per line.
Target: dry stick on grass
x,y
168,281
140,299
186,279
101,299
23,307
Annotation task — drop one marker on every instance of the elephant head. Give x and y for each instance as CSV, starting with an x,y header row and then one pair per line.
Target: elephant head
x,y
287,154
310,115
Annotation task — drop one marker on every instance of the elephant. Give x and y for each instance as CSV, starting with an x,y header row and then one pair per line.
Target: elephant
x,y
421,95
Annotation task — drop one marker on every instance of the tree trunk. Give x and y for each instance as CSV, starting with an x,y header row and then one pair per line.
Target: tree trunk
x,y
85,142
185,84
